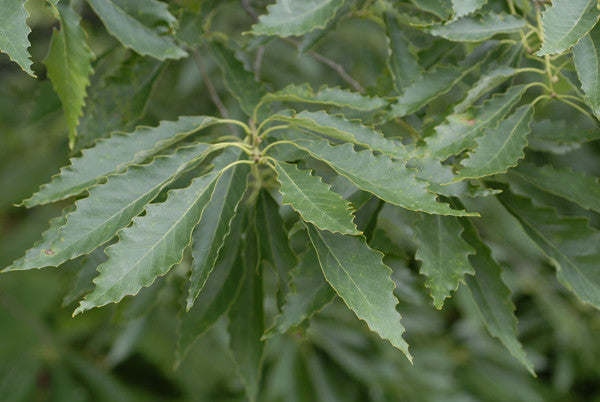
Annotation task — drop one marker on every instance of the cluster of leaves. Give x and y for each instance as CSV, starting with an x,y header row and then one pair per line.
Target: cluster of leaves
x,y
297,197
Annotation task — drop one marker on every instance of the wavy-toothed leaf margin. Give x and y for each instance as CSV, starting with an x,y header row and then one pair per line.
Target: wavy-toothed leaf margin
x,y
478,28
14,32
586,55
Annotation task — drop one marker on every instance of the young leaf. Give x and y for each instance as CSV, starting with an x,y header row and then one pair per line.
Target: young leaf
x,y
336,126
215,222
110,207
325,96
133,34
440,8
573,186
402,60
586,55
444,255
466,7
391,181
565,22
69,66
239,82
492,297
287,18
570,243
246,318
478,28
499,148
273,240
114,154
459,131
309,293
218,294
314,200
152,245
362,280
14,32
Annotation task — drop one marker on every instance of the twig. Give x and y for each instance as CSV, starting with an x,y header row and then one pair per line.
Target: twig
x,y
333,65
212,92
249,10
258,62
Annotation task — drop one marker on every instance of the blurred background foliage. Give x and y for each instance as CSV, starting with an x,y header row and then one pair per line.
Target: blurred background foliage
x,y
126,352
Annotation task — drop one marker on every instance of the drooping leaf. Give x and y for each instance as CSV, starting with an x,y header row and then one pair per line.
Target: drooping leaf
x,y
492,297
586,55
110,207
499,148
152,245
391,181
14,32
148,12
119,100
564,22
114,154
246,318
215,222
478,28
402,60
239,82
338,127
360,278
314,200
288,17
324,96
466,7
309,293
273,241
574,186
444,255
459,131
570,244
219,292
69,66
485,83
83,282
133,34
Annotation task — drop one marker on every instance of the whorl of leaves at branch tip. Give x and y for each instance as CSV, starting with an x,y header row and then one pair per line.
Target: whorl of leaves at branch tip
x,y
286,193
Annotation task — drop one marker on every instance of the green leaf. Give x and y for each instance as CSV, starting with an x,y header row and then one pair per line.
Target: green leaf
x,y
287,18
573,186
380,175
586,55
465,7
424,89
114,154
314,200
110,207
402,60
325,96
440,8
246,318
478,28
133,34
444,255
459,131
218,294
149,12
565,22
362,280
239,82
570,244
14,32
152,245
119,100
338,127
486,82
69,66
273,240
499,148
215,222
492,297
309,293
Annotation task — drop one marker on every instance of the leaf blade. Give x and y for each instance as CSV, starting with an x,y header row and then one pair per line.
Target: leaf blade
x,y
586,55
14,32
478,28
